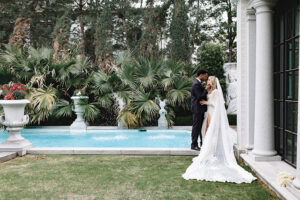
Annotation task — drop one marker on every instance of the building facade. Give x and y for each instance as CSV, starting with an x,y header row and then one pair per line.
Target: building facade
x,y
268,79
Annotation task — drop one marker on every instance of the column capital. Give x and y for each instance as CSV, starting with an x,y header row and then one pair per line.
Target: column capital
x,y
251,14
263,6
263,3
250,11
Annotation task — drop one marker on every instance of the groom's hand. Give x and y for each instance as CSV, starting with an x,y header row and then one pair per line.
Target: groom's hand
x,y
207,87
203,102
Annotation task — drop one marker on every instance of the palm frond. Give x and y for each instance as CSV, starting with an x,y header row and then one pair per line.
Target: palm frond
x,y
144,106
105,101
81,66
63,108
123,58
128,119
170,116
145,72
127,75
101,83
180,93
90,112
43,99
41,115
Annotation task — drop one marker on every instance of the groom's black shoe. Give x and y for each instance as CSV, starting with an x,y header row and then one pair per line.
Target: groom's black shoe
x,y
195,148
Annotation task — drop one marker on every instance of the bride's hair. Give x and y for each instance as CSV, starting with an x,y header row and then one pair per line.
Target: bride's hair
x,y
213,82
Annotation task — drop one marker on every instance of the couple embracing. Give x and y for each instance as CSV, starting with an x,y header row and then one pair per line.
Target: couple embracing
x,y
216,161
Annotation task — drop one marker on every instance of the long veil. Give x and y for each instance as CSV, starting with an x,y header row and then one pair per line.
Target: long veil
x,y
216,161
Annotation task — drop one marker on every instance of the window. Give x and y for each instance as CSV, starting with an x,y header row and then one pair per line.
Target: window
x,y
286,72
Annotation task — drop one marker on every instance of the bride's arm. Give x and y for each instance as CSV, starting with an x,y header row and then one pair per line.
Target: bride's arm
x,y
213,99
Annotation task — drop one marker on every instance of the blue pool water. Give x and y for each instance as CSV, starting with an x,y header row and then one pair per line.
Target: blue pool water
x,y
106,138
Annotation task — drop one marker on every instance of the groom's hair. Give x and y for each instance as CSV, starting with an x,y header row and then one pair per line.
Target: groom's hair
x,y
202,71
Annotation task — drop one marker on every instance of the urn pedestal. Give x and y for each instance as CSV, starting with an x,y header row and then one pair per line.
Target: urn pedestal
x,y
79,124
162,121
121,106
14,120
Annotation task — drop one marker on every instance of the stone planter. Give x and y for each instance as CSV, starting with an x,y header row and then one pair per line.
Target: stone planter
x,y
14,120
79,124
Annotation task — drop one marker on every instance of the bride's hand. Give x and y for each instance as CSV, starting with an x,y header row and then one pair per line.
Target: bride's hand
x,y
203,102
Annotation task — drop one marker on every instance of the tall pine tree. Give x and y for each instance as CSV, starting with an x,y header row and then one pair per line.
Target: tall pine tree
x,y
9,11
61,35
148,45
21,31
103,38
179,45
226,27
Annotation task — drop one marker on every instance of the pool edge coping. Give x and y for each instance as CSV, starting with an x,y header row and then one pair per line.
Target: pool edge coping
x,y
113,151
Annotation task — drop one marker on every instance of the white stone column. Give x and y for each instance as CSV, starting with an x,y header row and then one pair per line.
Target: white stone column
x,y
296,182
264,145
251,51
242,76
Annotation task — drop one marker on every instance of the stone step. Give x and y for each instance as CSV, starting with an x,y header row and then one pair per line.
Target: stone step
x,y
5,156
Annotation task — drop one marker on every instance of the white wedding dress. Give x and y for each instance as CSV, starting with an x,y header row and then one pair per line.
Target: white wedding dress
x,y
216,161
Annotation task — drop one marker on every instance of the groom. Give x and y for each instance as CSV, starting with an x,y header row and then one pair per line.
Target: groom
x,y
198,93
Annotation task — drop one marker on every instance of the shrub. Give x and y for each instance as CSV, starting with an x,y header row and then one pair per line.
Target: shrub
x,y
13,91
211,58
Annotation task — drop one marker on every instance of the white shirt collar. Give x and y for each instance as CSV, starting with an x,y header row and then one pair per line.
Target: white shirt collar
x,y
199,80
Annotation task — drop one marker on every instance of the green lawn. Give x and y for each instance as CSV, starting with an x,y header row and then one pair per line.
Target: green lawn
x,y
113,177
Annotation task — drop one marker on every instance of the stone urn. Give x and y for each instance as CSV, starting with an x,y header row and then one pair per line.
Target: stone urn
x,y
14,121
79,124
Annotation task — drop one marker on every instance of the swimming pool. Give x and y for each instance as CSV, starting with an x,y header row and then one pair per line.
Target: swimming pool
x,y
106,138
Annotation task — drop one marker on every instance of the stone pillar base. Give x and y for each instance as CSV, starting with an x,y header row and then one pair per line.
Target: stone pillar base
x,y
120,125
19,146
237,150
249,147
78,125
294,187
162,123
264,158
296,184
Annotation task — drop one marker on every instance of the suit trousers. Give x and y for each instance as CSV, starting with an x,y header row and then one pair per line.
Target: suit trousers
x,y
196,130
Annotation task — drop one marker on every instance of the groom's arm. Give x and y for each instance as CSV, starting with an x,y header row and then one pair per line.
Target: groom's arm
x,y
200,95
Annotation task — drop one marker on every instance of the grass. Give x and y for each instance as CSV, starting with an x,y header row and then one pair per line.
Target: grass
x,y
114,177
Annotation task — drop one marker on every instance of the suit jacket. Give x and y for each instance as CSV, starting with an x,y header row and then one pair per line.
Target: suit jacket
x,y
198,93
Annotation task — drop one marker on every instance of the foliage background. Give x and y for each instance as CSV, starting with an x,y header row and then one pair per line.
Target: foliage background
x,y
56,47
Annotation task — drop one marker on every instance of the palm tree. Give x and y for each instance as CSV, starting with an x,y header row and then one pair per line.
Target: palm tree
x,y
42,102
175,87
140,82
52,82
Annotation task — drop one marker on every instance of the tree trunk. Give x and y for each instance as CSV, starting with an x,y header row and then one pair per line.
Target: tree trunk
x,y
230,31
21,29
21,32
60,47
83,42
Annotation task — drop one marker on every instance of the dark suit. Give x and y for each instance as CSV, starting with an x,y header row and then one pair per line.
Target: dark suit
x,y
198,93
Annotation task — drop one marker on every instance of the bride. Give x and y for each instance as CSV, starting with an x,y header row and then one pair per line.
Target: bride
x,y
216,161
